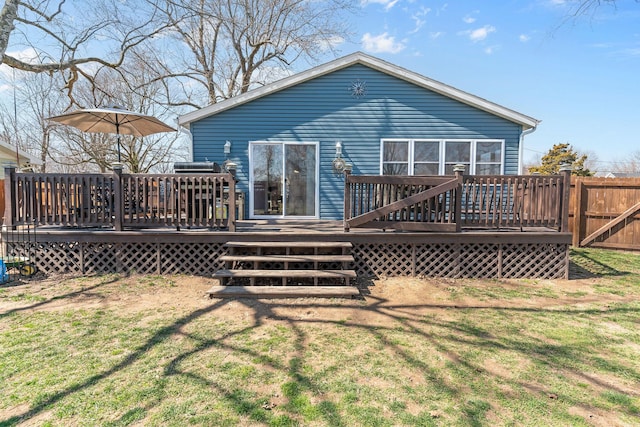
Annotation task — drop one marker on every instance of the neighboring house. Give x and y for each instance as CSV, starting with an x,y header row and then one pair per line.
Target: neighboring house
x,y
373,116
11,156
621,175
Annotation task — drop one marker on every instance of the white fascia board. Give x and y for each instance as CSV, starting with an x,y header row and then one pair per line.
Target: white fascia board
x,y
372,62
11,149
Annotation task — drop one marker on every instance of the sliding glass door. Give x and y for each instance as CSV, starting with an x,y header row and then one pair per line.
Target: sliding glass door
x,y
283,179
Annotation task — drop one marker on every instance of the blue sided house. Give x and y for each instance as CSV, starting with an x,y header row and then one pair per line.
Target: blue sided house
x,y
290,141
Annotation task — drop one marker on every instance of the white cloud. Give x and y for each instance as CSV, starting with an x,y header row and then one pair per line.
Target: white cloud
x,y
479,34
632,51
524,38
418,18
29,55
388,4
491,49
382,43
469,18
436,35
330,43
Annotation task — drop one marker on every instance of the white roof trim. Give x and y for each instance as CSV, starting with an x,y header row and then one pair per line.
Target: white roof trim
x,y
372,62
29,157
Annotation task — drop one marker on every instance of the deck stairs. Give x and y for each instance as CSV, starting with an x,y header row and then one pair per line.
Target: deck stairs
x,y
284,269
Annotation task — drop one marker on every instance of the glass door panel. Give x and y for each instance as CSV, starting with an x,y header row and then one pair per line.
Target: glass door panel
x,y
300,180
267,188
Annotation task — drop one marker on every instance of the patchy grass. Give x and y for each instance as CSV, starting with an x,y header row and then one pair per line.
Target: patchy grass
x,y
150,350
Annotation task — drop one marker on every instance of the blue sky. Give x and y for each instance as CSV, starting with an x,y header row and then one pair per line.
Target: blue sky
x,y
580,78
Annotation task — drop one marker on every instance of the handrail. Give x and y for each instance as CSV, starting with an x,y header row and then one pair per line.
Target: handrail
x,y
469,201
400,202
120,200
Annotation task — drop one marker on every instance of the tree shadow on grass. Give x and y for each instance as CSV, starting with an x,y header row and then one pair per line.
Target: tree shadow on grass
x,y
583,266
447,337
68,295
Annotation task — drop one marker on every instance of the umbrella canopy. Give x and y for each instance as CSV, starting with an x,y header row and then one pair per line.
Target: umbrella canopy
x,y
113,120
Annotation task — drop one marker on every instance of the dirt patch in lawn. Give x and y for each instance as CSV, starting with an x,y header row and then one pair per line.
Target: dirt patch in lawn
x,y
382,301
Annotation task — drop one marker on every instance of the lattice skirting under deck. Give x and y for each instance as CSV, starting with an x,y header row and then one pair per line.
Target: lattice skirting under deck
x,y
452,260
143,258
467,260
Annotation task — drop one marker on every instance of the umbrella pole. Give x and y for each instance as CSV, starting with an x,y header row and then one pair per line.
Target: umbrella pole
x,y
119,160
118,133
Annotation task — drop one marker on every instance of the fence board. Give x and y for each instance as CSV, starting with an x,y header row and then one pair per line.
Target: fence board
x,y
601,214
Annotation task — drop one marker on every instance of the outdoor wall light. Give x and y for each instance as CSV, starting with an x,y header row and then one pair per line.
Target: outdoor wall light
x,y
338,149
227,148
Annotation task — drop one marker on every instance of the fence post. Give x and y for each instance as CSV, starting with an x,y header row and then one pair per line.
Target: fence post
x,y
578,211
118,196
9,196
346,214
458,169
565,171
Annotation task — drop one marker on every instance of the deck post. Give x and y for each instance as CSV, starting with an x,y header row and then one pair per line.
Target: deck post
x,y
118,196
231,215
9,196
346,214
565,171
459,171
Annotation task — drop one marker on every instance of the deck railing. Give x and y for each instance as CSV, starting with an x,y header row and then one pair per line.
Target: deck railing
x,y
513,201
450,203
120,200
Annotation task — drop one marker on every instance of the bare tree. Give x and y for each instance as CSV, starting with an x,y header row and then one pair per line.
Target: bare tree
x,y
227,47
47,35
630,164
23,122
139,154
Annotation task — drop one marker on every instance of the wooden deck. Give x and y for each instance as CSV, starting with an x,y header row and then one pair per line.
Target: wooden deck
x,y
473,253
462,226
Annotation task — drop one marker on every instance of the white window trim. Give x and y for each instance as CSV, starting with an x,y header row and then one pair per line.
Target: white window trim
x,y
251,179
442,150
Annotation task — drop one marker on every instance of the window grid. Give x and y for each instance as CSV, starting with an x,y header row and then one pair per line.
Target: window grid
x,y
473,165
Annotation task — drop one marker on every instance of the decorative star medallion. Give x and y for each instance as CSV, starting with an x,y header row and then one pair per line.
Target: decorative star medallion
x,y
358,88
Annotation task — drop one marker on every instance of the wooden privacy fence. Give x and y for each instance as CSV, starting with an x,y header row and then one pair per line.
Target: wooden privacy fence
x,y
606,212
120,200
449,203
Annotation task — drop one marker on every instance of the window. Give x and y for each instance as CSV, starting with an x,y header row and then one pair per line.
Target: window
x,y
457,152
488,157
435,157
426,159
395,158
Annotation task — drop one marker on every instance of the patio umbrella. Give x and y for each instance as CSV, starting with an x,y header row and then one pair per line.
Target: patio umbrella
x,y
113,120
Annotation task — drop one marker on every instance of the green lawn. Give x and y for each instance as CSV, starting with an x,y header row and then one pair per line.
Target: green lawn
x,y
121,351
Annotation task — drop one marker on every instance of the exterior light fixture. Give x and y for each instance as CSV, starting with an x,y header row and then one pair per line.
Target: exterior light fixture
x,y
227,148
338,149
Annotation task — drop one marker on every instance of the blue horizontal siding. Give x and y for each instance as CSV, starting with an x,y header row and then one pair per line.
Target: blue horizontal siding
x,y
324,110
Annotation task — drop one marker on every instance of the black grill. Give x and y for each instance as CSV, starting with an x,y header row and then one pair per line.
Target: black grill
x,y
196,167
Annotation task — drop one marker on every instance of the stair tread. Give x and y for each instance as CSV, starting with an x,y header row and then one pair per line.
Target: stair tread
x,y
283,291
282,244
286,273
289,258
